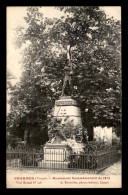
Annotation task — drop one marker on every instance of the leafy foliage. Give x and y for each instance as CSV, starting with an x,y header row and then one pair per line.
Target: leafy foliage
x,y
94,156
95,41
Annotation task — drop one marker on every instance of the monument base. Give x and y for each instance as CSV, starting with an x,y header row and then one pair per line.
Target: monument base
x,y
78,148
52,165
56,152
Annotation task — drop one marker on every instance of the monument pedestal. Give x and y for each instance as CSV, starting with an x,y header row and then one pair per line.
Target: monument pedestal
x,y
55,156
67,107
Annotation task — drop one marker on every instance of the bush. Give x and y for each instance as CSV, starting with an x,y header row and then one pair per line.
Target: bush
x,y
31,159
82,161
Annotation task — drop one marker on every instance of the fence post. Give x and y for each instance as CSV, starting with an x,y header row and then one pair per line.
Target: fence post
x,y
97,161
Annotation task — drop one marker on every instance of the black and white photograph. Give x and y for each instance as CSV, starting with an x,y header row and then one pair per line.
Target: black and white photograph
x,y
64,92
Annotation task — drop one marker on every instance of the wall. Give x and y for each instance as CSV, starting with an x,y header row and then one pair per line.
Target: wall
x,y
103,134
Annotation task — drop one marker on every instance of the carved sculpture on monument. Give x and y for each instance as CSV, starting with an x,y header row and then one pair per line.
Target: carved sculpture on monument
x,y
64,132
55,133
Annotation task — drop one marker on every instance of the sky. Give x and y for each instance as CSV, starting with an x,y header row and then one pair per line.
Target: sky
x,y
15,17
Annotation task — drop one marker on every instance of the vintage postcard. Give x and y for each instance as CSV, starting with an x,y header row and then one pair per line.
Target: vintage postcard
x,y
63,123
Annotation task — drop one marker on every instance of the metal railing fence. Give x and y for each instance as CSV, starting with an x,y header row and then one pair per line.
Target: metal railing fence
x,y
89,161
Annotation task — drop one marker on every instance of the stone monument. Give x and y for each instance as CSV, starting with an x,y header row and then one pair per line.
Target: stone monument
x,y
66,117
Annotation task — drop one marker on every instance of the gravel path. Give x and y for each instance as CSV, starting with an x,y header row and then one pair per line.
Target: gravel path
x,y
114,169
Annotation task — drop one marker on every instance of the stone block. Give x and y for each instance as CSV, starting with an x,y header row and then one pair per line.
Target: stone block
x,y
56,152
53,165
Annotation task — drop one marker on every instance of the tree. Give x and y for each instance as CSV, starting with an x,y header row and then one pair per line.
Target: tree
x,y
94,41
